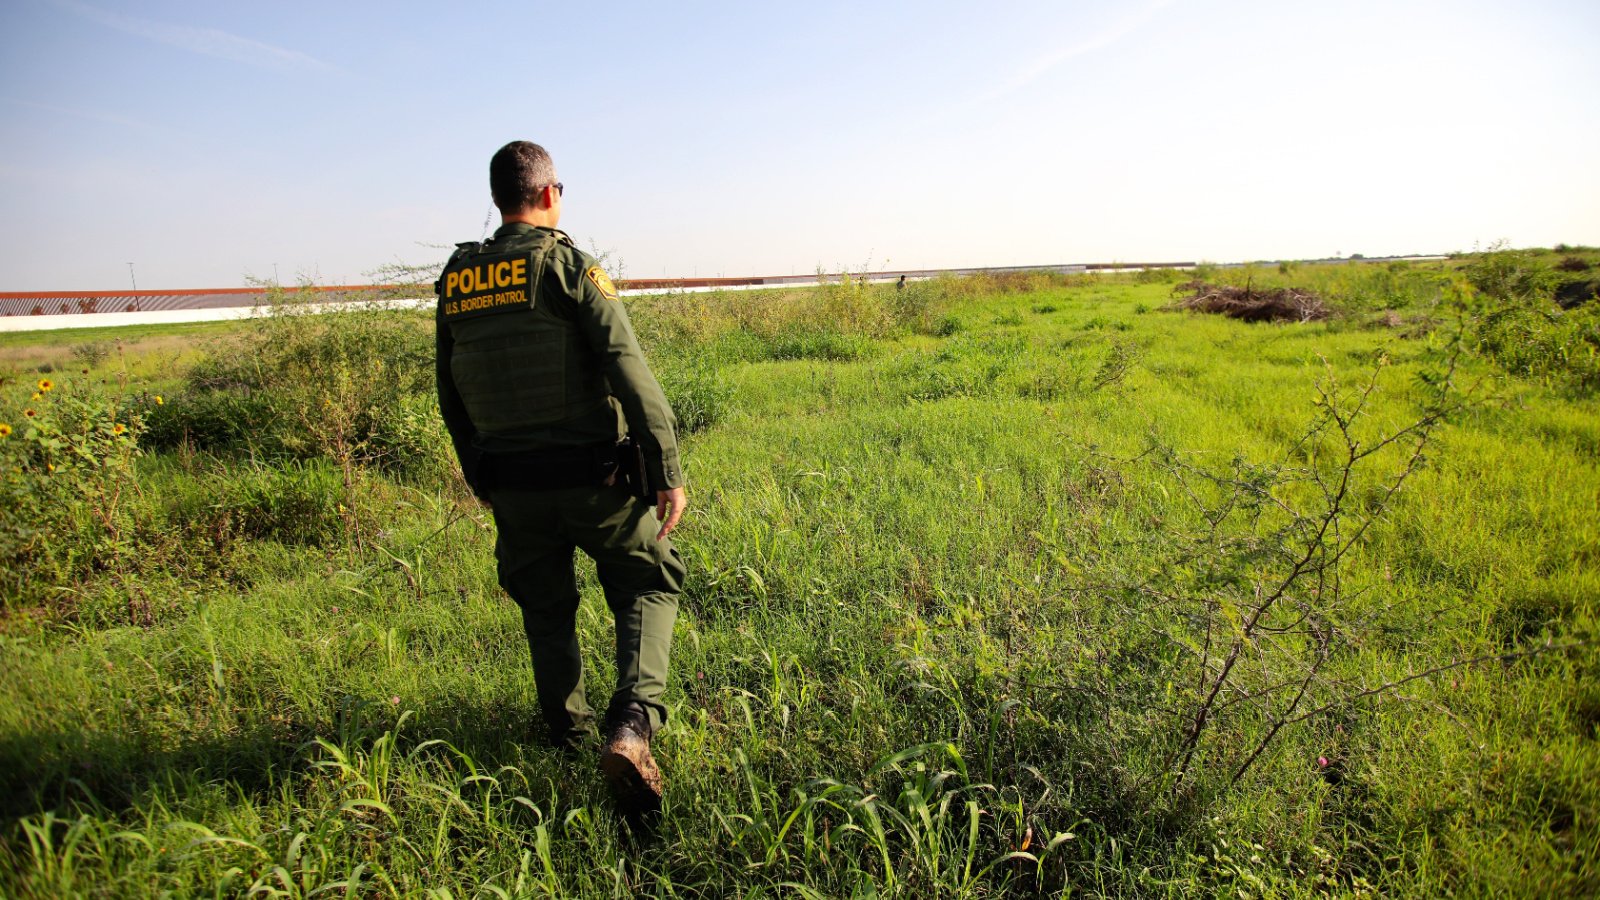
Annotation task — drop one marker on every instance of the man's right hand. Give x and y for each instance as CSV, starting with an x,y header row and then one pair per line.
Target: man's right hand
x,y
669,509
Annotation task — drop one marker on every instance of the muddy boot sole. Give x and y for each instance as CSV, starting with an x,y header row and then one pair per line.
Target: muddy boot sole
x,y
634,778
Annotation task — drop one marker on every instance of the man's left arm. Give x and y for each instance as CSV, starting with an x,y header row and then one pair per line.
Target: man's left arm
x,y
609,333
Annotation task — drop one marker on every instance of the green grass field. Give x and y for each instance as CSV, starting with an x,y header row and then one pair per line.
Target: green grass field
x,y
1021,587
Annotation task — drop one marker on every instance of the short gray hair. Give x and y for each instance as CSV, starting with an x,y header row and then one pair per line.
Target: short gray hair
x,y
517,173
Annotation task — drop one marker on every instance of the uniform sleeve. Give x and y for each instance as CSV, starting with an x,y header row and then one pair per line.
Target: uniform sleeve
x,y
605,325
453,410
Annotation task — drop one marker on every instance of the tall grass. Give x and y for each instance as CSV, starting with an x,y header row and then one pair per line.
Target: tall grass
x,y
965,561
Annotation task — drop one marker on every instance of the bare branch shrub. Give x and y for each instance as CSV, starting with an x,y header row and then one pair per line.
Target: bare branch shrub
x,y
1253,588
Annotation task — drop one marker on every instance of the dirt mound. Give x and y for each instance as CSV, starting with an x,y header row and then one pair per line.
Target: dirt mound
x,y
1249,304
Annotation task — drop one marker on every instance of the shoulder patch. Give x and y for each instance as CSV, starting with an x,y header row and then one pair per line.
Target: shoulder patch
x,y
602,282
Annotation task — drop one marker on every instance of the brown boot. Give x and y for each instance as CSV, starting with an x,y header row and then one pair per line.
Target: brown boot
x,y
628,767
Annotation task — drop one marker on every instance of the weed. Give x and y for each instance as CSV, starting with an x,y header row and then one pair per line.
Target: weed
x,y
91,354
948,325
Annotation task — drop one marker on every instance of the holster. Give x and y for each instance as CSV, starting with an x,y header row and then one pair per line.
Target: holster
x,y
632,471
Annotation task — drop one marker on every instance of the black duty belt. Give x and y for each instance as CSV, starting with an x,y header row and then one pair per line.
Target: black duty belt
x,y
550,470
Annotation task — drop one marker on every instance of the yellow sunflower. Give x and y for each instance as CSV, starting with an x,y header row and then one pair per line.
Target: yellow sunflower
x,y
5,430
45,384
159,401
29,413
118,428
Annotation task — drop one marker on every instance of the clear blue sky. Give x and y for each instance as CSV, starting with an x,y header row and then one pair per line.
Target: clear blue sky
x,y
206,141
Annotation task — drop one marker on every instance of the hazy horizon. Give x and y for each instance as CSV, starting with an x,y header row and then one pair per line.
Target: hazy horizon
x,y
208,145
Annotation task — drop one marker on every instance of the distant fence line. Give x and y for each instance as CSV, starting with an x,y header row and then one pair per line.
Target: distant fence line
x,y
65,303
69,309
56,303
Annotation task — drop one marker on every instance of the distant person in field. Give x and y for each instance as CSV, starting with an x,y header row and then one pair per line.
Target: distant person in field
x,y
562,430
901,284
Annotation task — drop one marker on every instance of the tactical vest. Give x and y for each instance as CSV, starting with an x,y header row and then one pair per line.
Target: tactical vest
x,y
516,362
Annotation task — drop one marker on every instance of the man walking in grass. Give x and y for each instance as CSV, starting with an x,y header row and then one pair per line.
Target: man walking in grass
x,y
563,431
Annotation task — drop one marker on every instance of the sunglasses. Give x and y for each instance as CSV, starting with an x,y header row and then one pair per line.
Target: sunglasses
x,y
561,189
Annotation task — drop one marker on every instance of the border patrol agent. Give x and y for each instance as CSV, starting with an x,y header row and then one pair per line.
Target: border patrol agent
x,y
563,431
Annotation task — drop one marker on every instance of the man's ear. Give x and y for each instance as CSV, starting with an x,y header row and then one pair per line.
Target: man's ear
x,y
545,200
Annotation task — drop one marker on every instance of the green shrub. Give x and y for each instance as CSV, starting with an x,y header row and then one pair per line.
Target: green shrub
x,y
1510,275
409,439
697,392
299,502
819,343
91,354
294,384
220,420
963,367
1160,276
66,483
1100,323
1548,343
1520,326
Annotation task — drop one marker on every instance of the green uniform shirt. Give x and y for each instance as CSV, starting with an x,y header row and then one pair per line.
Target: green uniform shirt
x,y
573,287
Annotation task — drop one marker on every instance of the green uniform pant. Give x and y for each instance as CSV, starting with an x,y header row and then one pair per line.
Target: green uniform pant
x,y
641,577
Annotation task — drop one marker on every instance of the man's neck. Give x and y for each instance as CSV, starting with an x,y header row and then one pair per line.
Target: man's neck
x,y
539,218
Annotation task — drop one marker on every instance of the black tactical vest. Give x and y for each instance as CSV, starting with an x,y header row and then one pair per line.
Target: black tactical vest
x,y
517,363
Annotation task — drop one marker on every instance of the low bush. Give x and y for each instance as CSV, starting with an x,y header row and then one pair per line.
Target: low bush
x,y
1503,275
948,325
66,482
91,354
1520,325
697,393
819,343
220,420
409,440
1551,344
298,503
336,380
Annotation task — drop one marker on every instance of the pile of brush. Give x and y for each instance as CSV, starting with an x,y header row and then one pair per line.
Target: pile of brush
x,y
1249,304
